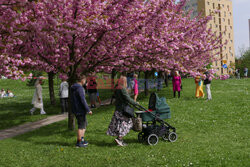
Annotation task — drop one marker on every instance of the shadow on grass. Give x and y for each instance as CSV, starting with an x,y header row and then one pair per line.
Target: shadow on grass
x,y
15,113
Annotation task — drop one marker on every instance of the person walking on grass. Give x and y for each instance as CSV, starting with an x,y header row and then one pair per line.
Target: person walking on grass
x,y
245,72
177,84
64,95
80,109
136,91
237,72
207,82
199,87
120,124
37,100
92,90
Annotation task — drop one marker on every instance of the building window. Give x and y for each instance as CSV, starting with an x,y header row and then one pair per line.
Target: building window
x,y
219,7
208,3
214,20
228,7
225,14
229,35
224,20
225,28
231,27
228,21
221,70
213,6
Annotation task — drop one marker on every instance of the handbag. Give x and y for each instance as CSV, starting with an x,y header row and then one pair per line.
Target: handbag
x,y
128,111
137,124
38,105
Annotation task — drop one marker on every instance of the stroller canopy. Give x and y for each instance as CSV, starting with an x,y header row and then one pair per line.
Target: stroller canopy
x,y
158,104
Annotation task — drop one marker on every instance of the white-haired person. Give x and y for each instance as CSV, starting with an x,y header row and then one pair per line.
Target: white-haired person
x,y
37,100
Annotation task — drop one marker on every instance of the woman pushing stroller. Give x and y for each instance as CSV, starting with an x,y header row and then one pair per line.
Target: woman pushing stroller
x,y
120,124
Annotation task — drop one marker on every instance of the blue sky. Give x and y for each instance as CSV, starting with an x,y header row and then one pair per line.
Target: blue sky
x,y
241,14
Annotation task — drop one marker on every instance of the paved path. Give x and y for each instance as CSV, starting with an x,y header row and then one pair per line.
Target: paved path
x,y
27,127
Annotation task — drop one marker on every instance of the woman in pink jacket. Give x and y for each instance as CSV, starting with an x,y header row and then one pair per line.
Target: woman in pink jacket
x,y
136,91
177,83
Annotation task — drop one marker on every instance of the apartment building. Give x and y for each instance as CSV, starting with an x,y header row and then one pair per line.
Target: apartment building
x,y
249,31
222,23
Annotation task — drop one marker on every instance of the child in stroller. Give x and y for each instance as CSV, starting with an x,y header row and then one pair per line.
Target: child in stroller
x,y
158,110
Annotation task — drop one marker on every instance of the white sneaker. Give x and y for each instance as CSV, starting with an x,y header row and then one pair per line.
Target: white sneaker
x,y
42,112
119,142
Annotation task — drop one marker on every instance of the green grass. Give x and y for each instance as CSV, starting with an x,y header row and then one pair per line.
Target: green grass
x,y
15,111
213,133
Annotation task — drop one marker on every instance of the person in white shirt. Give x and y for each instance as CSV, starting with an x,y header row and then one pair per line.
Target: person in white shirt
x,y
37,100
9,93
2,93
64,95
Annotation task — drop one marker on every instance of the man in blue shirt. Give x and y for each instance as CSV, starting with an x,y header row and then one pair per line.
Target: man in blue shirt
x,y
80,109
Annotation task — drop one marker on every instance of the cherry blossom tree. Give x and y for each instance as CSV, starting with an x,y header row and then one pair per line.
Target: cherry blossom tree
x,y
78,36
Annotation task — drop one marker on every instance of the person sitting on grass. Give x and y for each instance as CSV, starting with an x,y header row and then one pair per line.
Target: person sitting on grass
x,y
2,93
80,109
9,93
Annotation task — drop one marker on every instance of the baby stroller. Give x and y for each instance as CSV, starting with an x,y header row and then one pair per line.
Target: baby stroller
x,y
153,124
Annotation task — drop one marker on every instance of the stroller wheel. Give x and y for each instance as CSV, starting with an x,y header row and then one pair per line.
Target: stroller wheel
x,y
141,137
172,137
153,139
165,137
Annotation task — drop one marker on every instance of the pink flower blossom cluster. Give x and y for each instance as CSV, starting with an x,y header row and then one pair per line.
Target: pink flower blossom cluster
x,y
224,77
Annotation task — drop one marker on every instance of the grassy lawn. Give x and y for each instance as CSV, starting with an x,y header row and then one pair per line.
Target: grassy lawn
x,y
15,111
213,133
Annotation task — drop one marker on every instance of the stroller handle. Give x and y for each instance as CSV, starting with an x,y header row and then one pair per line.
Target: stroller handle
x,y
139,107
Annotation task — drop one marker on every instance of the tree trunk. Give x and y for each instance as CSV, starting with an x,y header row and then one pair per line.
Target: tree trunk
x,y
51,88
112,85
71,117
166,79
159,86
146,83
